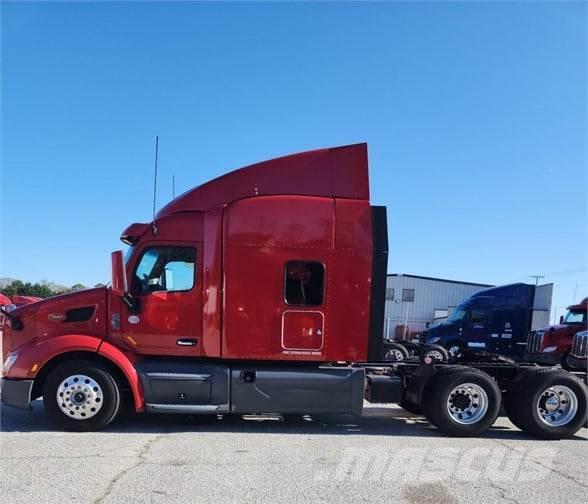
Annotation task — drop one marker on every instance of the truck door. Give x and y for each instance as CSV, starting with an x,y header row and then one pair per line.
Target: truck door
x,y
164,282
476,328
508,335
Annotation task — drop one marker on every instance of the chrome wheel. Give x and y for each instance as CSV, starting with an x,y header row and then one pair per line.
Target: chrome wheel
x,y
394,355
79,397
557,406
435,354
454,350
467,403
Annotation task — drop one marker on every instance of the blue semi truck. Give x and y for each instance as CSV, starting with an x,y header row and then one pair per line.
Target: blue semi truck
x,y
496,320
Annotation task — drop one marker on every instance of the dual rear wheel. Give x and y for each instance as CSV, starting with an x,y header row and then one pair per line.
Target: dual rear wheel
x,y
546,403
461,401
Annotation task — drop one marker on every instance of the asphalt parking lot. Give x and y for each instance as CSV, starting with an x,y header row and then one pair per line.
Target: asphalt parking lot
x,y
386,456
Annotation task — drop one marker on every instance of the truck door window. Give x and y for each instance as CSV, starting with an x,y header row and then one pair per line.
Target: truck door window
x,y
479,318
304,283
165,269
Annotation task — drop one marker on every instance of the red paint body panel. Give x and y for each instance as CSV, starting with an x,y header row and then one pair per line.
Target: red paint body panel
x,y
337,172
212,284
125,361
45,319
164,316
562,335
261,235
303,330
24,300
36,353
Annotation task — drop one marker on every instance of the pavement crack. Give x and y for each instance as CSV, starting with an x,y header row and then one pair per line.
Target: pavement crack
x,y
141,456
502,492
549,468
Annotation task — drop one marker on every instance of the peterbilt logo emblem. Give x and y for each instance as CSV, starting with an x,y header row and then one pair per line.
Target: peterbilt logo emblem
x,y
134,319
56,317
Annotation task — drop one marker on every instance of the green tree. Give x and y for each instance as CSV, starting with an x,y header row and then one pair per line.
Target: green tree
x,y
19,288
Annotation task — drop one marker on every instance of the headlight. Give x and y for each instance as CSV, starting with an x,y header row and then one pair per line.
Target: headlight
x,y
435,339
549,349
10,360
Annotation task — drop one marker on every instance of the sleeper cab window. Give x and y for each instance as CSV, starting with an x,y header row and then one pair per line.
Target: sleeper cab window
x,y
169,269
304,283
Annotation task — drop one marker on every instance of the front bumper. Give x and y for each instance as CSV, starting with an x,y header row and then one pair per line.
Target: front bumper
x,y
547,358
16,393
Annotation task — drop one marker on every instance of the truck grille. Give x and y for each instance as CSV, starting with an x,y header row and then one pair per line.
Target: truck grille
x,y
580,344
534,341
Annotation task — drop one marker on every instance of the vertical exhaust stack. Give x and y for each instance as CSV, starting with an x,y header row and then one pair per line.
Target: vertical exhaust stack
x,y
378,288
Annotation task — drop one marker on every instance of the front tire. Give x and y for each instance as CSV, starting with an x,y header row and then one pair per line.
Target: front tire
x,y
82,396
461,401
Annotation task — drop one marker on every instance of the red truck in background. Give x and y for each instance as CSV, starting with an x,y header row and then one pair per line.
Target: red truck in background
x,y
552,344
261,291
17,300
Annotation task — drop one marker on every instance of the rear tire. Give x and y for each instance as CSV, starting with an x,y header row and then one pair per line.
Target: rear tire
x,y
511,398
461,401
82,396
437,352
548,403
395,352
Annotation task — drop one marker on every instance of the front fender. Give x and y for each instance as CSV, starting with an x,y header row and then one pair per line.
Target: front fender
x,y
32,356
127,367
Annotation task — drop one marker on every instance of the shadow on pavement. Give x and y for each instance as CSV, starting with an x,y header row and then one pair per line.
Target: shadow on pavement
x,y
380,421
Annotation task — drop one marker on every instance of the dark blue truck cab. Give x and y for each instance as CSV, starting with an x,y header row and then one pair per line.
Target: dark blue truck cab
x,y
496,320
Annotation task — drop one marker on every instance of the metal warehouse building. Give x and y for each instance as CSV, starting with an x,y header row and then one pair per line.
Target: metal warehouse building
x,y
414,302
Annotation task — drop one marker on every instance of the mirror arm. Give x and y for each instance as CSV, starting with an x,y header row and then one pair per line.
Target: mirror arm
x,y
131,302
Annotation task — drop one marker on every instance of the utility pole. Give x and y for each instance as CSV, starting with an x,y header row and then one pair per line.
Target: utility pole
x,y
537,277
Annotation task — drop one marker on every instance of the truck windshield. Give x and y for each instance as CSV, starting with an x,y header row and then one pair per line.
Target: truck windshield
x,y
458,314
575,317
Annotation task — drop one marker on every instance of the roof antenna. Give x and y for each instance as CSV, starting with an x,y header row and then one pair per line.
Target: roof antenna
x,y
173,186
155,184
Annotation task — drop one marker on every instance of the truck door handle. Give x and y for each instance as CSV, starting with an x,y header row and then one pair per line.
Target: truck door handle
x,y
186,342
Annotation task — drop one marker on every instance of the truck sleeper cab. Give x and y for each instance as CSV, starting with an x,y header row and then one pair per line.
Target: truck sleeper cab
x,y
260,291
496,320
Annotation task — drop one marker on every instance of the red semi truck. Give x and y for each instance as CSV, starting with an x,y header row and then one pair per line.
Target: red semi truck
x,y
552,345
260,291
